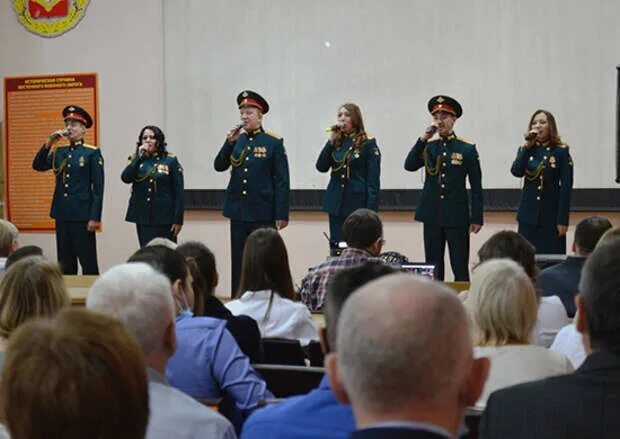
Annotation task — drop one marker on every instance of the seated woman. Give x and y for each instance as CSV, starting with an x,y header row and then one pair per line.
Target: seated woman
x,y
205,279
30,288
502,304
208,362
266,290
551,312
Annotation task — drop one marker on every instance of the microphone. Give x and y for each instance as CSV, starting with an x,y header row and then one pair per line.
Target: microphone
x,y
337,127
432,129
531,136
239,127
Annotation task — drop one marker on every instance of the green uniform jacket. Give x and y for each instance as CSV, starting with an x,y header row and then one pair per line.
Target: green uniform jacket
x,y
259,179
156,189
78,195
547,184
354,180
444,201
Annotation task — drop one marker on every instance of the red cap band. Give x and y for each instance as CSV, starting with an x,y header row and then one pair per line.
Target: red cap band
x,y
251,102
443,107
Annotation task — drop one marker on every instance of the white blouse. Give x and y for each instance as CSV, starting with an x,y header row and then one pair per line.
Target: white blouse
x,y
287,319
516,364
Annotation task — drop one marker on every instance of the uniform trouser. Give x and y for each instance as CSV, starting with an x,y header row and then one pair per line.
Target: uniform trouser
x,y
239,232
435,238
74,242
545,238
335,227
147,232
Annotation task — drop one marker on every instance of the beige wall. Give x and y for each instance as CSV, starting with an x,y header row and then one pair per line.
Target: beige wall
x,y
122,41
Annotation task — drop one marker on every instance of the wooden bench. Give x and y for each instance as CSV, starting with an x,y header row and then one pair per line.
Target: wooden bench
x,y
78,287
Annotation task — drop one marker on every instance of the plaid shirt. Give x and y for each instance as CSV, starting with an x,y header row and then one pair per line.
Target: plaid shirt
x,y
314,285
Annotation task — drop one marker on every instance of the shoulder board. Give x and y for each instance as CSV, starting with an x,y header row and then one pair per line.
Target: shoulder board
x,y
171,155
465,141
277,136
131,157
61,146
432,139
369,137
562,145
85,145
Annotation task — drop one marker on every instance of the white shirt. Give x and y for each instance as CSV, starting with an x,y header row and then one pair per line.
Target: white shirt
x,y
176,415
287,319
516,364
551,318
570,343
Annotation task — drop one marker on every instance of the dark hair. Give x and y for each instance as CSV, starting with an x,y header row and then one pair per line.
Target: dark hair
x,y
393,258
159,137
362,228
554,136
167,261
78,375
511,245
342,284
589,230
205,260
21,253
265,266
600,288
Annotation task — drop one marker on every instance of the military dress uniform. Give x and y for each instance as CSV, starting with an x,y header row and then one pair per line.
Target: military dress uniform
x,y
156,201
258,190
444,205
547,172
78,198
354,180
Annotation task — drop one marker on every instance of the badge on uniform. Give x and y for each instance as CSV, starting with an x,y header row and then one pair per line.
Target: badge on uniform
x,y
162,169
81,161
456,158
552,161
260,152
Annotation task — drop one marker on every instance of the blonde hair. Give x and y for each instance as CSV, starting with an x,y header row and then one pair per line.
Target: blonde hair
x,y
8,235
30,288
502,303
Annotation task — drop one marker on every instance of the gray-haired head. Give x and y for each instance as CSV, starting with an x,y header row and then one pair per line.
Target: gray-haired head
x,y
403,341
140,297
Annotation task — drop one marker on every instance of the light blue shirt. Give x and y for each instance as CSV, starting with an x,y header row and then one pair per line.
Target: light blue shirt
x,y
315,415
208,363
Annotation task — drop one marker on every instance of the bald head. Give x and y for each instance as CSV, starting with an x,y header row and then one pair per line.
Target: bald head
x,y
403,341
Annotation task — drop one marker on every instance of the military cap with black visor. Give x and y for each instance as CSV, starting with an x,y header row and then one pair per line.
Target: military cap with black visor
x,y
448,161
258,190
78,195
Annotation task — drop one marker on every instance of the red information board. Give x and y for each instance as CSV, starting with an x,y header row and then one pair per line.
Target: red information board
x,y
32,111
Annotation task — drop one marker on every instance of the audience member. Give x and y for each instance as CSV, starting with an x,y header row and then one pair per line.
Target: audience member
x,y
317,414
141,298
23,252
502,305
208,362
363,232
8,241
243,328
583,404
77,375
569,342
410,373
551,312
562,279
266,290
609,234
32,288
165,242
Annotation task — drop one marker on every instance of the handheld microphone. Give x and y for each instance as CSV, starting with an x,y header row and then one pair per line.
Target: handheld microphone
x,y
239,127
337,127
531,136
432,129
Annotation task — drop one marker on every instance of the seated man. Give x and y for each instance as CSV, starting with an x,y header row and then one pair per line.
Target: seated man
x,y
142,299
317,414
8,242
77,375
583,404
411,372
363,233
562,280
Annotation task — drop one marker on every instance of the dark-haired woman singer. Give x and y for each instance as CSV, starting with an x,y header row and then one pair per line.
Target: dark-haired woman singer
x,y
156,176
355,163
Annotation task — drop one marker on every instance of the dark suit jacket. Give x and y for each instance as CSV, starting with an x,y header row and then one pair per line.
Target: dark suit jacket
x,y
584,404
394,433
562,280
